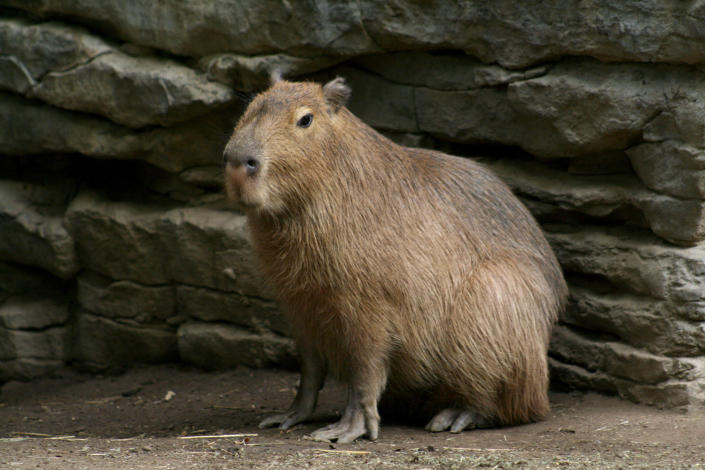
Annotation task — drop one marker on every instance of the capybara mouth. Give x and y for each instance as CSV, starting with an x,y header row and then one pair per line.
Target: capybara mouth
x,y
245,204
237,192
240,200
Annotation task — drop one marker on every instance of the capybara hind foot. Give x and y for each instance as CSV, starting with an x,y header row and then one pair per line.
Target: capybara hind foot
x,y
456,420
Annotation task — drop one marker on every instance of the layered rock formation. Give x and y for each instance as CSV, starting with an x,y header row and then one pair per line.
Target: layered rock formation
x,y
116,246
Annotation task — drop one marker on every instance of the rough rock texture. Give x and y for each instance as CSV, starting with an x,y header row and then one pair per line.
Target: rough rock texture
x,y
76,70
31,222
103,343
213,346
116,246
29,127
621,196
73,69
628,30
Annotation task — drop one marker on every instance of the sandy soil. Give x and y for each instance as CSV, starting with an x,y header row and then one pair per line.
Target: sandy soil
x,y
160,417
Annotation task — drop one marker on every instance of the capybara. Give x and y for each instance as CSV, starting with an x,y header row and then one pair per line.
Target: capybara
x,y
398,268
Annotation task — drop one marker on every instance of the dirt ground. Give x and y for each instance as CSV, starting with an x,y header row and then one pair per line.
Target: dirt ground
x,y
172,417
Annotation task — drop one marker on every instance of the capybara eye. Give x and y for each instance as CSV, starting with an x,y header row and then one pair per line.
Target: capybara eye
x,y
305,121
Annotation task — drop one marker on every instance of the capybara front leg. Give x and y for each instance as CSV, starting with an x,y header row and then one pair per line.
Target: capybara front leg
x,y
312,378
361,416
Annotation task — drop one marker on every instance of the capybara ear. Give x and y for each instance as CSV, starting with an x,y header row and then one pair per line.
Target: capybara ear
x,y
275,76
337,93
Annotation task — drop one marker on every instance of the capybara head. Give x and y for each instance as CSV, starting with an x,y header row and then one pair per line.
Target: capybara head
x,y
280,138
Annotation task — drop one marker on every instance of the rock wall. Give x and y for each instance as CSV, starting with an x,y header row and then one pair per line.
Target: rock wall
x,y
116,246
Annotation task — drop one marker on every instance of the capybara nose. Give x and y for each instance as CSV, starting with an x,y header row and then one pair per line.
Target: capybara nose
x,y
236,160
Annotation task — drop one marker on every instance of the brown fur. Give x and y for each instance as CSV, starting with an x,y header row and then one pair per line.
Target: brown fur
x,y
398,267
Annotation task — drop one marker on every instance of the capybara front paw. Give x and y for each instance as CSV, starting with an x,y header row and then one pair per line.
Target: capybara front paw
x,y
284,420
348,429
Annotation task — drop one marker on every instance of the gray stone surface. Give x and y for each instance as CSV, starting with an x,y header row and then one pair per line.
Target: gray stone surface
x,y
473,116
36,313
102,343
380,103
671,167
29,127
14,76
572,377
199,28
40,48
499,32
134,91
680,221
158,245
125,299
73,69
31,223
48,344
675,394
209,305
495,32
218,346
634,262
611,357
546,115
204,176
679,120
443,71
16,279
642,322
